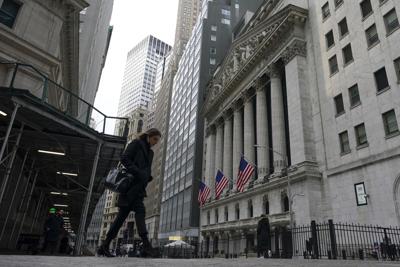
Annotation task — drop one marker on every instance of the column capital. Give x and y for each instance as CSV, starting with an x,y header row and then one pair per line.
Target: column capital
x,y
247,94
260,83
227,114
273,71
219,121
296,48
237,104
210,130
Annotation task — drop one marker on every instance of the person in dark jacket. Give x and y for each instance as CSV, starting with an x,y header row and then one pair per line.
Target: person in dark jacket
x,y
137,159
263,237
52,230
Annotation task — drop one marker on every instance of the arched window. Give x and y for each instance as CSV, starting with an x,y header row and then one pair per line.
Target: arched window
x,y
140,126
265,205
237,211
250,208
285,203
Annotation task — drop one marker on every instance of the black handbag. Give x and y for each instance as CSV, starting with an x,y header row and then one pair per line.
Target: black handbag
x,y
118,180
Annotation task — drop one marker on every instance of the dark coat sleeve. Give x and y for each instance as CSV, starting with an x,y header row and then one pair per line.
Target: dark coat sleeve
x,y
128,159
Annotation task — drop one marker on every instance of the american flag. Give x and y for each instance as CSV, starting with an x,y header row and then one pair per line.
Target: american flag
x,y
204,193
245,172
220,182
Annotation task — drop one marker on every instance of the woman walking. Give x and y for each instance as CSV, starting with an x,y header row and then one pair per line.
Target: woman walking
x,y
137,159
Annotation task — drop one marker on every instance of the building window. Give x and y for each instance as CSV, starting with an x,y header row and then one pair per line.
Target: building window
x,y
354,96
343,29
381,79
325,10
226,12
333,65
397,68
140,126
285,202
366,8
213,50
226,21
266,205
216,215
226,214
237,211
212,61
391,21
390,122
213,37
330,40
344,142
361,135
372,35
8,12
382,2
208,217
339,104
338,3
213,28
347,54
250,208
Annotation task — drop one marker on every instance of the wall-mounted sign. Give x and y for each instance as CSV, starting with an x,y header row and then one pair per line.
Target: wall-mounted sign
x,y
361,194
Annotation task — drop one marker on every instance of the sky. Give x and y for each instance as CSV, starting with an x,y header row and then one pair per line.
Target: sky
x,y
133,20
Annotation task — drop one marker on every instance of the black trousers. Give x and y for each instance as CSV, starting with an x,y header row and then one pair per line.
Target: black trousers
x,y
140,214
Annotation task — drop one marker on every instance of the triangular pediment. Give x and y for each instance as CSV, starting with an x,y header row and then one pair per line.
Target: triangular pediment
x,y
256,37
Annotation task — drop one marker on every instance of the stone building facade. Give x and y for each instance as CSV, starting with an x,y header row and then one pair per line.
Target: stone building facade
x,y
303,92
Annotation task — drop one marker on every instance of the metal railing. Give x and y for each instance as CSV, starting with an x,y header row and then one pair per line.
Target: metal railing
x,y
25,76
347,241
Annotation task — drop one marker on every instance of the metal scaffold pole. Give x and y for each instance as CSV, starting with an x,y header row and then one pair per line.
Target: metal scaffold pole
x,y
82,224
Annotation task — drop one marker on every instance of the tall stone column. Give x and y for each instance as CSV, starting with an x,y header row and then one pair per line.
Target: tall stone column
x,y
228,147
262,129
277,120
301,133
219,143
237,139
210,155
249,136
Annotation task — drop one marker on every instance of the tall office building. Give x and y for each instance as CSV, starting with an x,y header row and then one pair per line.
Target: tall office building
x,y
140,74
206,48
94,39
188,11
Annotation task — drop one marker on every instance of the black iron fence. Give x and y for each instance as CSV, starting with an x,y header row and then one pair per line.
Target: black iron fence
x,y
346,241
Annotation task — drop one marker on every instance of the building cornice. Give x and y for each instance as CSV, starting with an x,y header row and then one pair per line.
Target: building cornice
x,y
259,46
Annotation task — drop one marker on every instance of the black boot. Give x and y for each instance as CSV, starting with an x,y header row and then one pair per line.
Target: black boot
x,y
147,249
104,250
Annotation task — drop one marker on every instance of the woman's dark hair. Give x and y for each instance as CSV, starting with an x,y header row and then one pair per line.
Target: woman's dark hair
x,y
150,133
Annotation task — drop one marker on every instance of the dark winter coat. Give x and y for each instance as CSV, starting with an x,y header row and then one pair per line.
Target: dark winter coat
x,y
263,233
53,227
137,159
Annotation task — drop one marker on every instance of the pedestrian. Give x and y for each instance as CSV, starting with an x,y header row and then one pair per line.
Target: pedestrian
x,y
263,232
137,160
52,230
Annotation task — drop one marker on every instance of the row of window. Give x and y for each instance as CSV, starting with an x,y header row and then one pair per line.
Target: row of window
x,y
390,126
250,210
381,82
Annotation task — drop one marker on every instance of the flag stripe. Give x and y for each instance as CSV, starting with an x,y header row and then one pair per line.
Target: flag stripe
x,y
245,172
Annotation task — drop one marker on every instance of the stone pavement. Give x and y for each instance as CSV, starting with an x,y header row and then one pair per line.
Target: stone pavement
x,y
39,261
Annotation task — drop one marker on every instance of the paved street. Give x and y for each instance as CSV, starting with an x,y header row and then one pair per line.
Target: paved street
x,y
37,261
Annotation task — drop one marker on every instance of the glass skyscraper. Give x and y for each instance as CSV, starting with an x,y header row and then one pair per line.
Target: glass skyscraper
x,y
206,48
140,75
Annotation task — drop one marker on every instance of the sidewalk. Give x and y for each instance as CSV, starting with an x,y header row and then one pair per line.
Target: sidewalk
x,y
39,261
